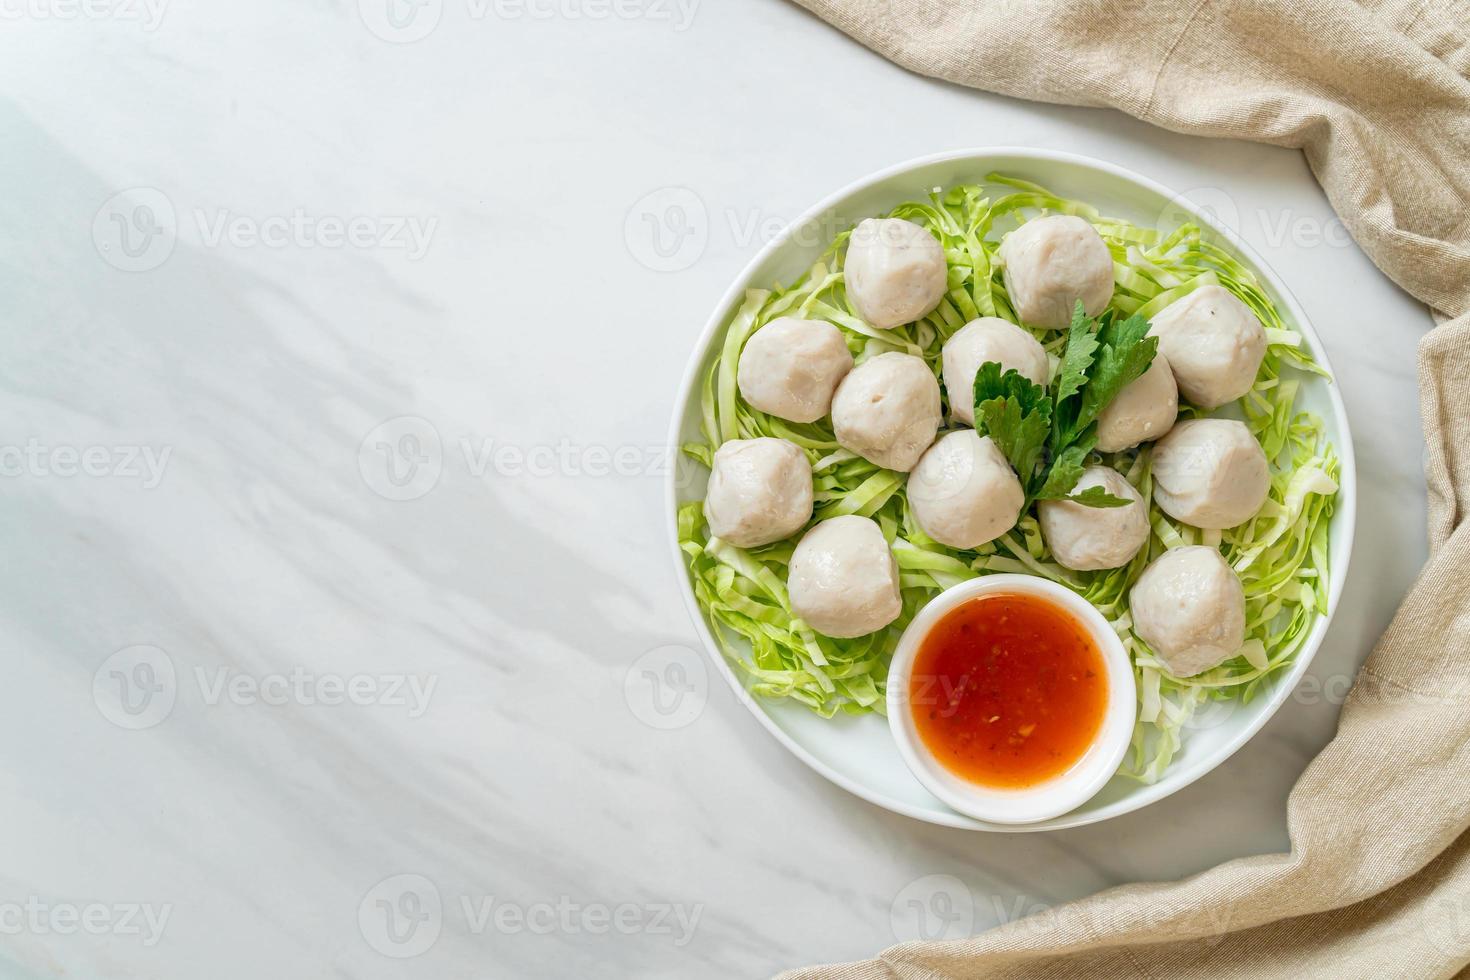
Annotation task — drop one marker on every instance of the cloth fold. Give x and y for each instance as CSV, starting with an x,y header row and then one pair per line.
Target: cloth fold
x,y
1377,96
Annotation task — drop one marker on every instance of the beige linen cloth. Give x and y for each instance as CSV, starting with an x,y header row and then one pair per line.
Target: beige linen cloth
x,y
1376,94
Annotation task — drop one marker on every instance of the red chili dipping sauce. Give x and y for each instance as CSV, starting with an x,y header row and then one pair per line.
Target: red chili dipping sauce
x,y
1008,690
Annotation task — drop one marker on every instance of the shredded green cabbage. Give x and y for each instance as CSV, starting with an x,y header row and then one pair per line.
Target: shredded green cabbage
x,y
1280,555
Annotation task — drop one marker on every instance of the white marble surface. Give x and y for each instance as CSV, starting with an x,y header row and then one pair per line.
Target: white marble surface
x,y
227,507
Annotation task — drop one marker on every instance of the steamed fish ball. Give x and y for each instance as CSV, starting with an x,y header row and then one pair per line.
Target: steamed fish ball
x,y
1189,607
963,492
1214,344
1050,263
887,410
988,339
1210,473
1142,412
790,368
1089,538
760,490
895,271
843,578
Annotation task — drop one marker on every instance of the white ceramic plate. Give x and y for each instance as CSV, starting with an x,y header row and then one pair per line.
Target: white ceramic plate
x,y
858,753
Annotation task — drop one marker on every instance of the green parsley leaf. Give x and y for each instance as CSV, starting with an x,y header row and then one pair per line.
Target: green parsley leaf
x,y
1097,497
1125,351
1016,413
1101,357
1066,469
1082,344
993,381
1077,358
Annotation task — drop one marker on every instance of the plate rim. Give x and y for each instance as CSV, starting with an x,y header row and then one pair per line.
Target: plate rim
x,y
1148,794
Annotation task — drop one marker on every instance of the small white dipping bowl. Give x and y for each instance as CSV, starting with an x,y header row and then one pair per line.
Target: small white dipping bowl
x,y
1044,800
